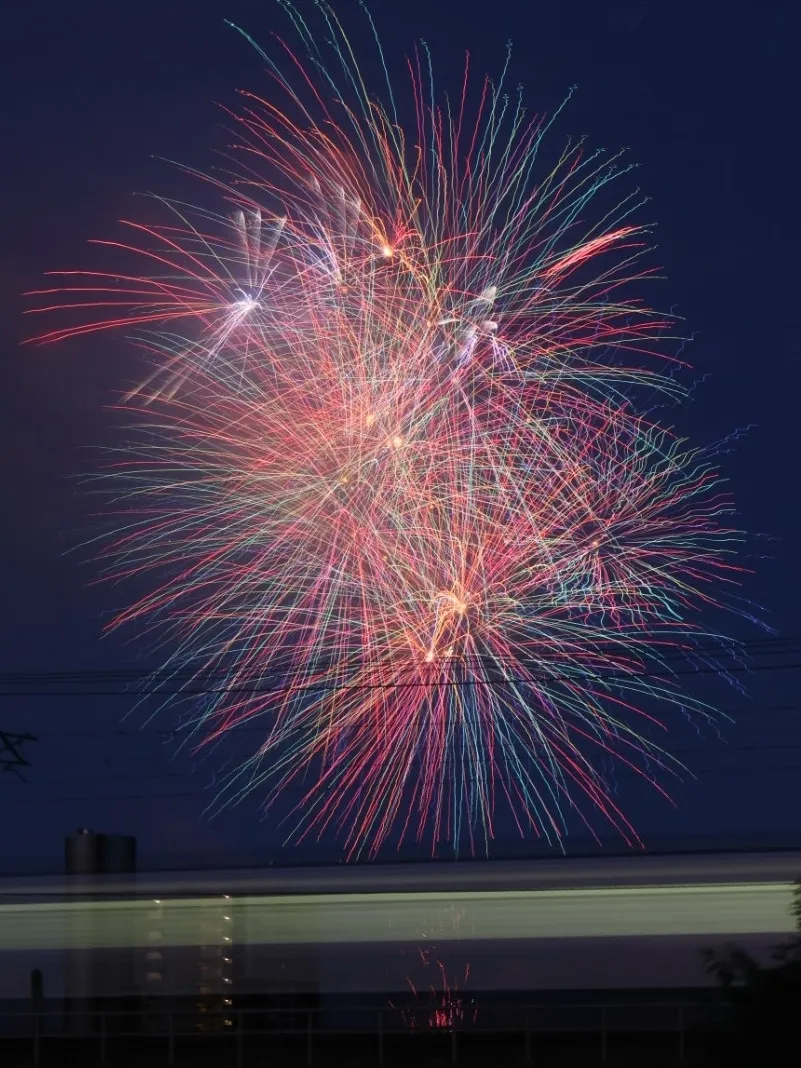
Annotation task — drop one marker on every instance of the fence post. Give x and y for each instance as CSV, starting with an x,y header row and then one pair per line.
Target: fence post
x,y
239,1039
37,1004
682,1049
170,1040
604,1046
309,1048
380,1038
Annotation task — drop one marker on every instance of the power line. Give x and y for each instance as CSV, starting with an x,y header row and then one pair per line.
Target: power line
x,y
571,675
109,797
198,794
712,744
158,776
156,679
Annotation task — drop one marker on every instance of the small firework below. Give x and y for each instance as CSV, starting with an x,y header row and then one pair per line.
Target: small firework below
x,y
443,1006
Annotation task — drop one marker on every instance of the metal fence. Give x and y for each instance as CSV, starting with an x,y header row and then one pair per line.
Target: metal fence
x,y
353,1034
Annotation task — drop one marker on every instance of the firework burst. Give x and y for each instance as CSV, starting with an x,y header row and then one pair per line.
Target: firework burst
x,y
393,477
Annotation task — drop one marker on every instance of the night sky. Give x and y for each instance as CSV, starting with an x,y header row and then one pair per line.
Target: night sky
x,y
705,96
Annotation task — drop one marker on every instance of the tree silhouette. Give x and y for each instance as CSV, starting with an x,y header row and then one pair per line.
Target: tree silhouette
x,y
762,1002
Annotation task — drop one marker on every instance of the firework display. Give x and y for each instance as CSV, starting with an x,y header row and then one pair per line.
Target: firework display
x,y
396,476
443,1006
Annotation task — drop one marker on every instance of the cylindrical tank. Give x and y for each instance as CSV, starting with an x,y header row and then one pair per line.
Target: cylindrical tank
x,y
82,853
96,980
88,853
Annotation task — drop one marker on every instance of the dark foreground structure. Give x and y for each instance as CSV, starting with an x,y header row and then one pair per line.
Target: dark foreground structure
x,y
541,962
446,1031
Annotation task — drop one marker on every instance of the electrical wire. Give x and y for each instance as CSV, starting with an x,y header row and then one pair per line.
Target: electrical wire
x,y
131,676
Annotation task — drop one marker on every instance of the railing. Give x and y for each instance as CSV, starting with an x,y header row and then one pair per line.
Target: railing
x,y
309,1037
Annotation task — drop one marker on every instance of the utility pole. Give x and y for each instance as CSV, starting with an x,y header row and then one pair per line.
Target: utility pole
x,y
11,759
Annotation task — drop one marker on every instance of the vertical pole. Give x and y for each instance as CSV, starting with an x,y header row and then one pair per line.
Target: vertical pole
x,y
170,1040
380,1038
309,1048
239,1039
682,1048
604,1046
37,1004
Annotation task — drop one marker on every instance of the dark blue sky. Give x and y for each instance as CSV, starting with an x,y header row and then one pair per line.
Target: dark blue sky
x,y
705,95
